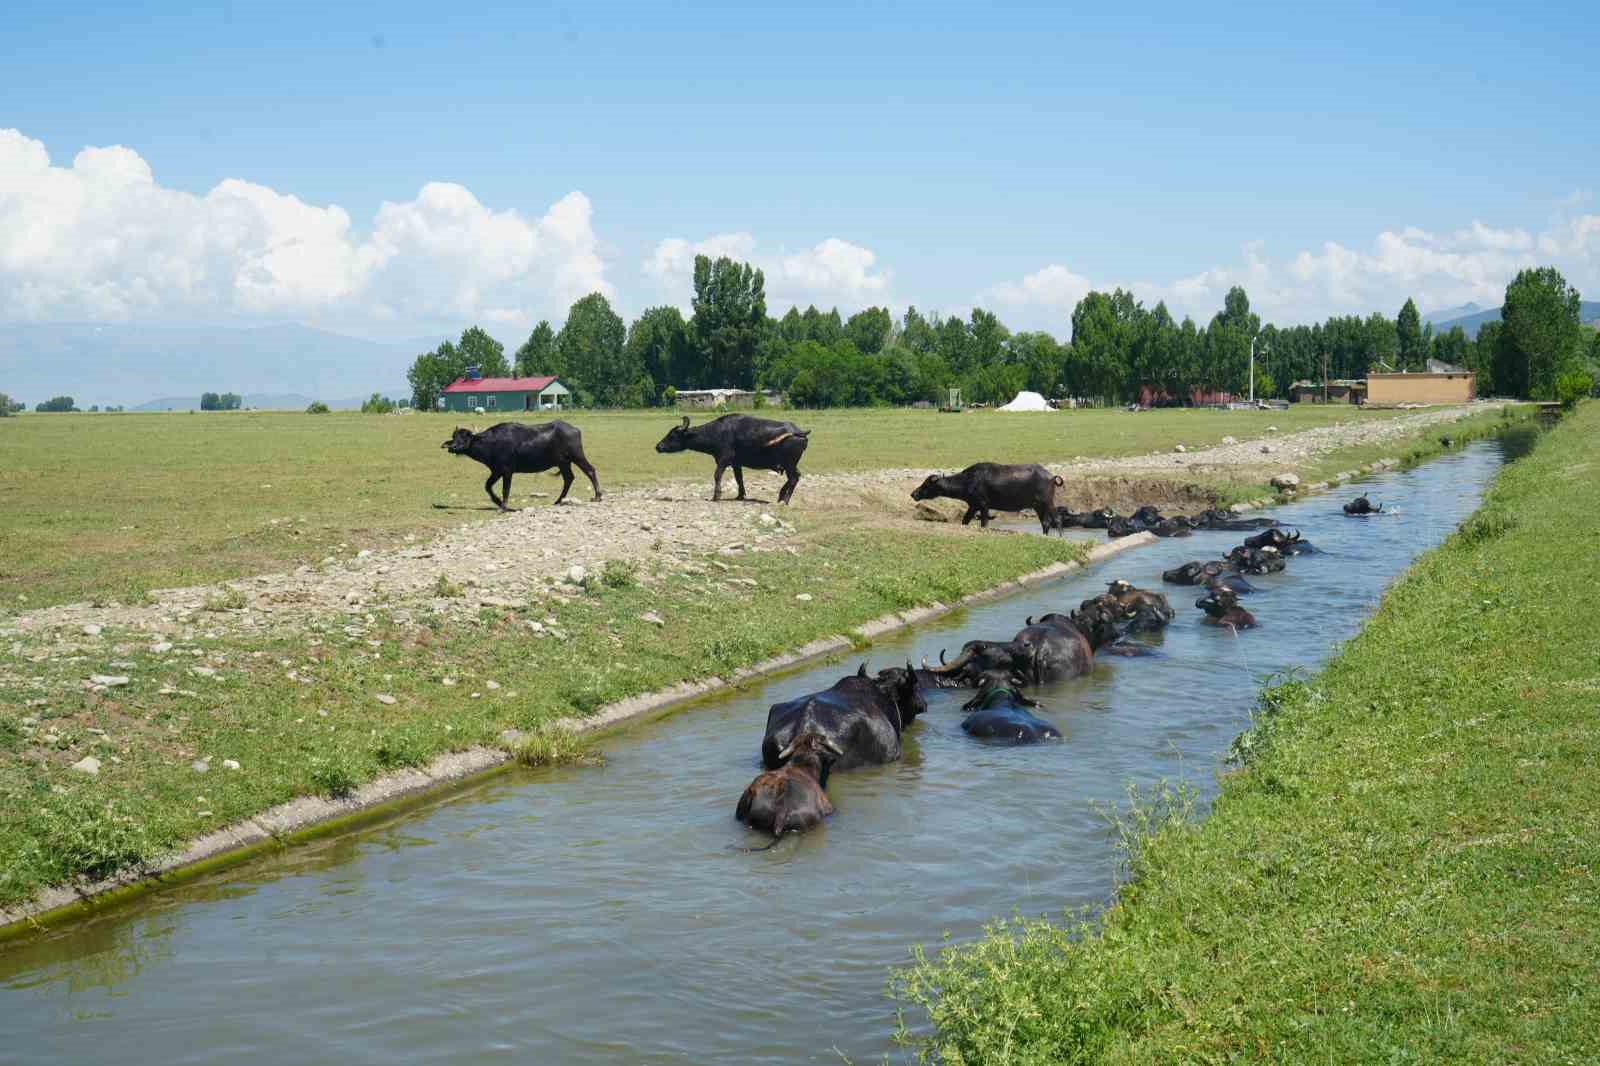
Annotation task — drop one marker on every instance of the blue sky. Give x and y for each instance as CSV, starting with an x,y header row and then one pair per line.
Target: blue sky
x,y
1012,156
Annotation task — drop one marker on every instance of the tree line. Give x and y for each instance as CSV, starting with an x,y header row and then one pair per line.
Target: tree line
x,y
1118,351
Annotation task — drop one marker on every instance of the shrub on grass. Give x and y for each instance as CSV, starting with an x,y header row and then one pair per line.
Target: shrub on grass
x,y
403,746
620,574
317,407
335,775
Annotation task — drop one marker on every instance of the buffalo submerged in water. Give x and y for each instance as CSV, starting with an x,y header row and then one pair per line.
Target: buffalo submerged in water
x,y
862,717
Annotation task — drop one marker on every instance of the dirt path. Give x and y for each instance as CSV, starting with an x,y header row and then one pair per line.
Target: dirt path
x,y
525,557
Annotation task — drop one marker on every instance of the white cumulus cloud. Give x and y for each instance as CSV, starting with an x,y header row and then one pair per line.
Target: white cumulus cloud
x,y
1470,264
102,240
831,272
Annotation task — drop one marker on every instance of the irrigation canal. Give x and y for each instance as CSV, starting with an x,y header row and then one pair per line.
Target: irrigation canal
x,y
605,915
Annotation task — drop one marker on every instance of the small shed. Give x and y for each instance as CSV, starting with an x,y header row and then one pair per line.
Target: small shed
x,y
504,394
1454,386
710,399
1339,390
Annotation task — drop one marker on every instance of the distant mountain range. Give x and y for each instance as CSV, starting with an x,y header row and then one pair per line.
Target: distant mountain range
x,y
1470,317
264,401
269,366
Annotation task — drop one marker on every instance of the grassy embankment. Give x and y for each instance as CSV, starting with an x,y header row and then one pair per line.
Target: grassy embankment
x,y
1403,870
299,710
109,506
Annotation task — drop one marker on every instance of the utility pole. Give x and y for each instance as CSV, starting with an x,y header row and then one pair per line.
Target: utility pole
x,y
1252,371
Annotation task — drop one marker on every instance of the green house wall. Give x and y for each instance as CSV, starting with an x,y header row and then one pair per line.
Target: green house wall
x,y
504,401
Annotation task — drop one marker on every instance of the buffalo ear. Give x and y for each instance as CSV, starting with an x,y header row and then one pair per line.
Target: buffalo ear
x,y
862,671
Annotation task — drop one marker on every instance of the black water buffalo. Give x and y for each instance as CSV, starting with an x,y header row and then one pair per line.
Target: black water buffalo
x,y
1227,521
791,797
1287,543
861,716
1255,561
519,448
1213,574
1066,519
1000,486
740,441
1362,506
925,679
999,712
1145,611
1222,609
1054,647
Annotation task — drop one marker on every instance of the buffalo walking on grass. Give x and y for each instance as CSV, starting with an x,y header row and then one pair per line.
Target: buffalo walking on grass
x,y
740,441
518,448
987,487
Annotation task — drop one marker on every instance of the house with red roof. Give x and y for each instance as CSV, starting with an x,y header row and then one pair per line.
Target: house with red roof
x,y
504,395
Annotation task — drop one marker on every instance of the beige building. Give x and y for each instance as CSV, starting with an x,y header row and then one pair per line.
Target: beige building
x,y
1455,386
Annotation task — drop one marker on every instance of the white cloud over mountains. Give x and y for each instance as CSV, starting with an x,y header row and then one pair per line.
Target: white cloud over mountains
x,y
831,272
102,240
1439,271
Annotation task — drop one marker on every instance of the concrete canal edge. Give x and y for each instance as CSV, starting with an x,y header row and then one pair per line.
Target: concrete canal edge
x,y
310,817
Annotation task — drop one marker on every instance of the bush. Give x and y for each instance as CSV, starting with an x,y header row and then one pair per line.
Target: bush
x,y
1573,386
335,775
619,574
377,405
317,408
404,746
5,406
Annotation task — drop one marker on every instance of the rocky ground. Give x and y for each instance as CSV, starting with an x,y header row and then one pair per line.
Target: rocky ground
x,y
540,550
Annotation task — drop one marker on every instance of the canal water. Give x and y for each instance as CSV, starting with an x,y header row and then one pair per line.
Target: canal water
x,y
606,915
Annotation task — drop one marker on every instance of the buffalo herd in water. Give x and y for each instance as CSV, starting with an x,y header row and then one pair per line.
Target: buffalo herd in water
x,y
859,721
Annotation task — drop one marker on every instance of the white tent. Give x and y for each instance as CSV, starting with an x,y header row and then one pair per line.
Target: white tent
x,y
1027,401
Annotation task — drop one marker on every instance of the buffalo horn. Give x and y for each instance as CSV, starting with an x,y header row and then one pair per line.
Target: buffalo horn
x,y
685,421
786,753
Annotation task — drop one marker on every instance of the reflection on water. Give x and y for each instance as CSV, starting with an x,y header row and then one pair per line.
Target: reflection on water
x,y
583,915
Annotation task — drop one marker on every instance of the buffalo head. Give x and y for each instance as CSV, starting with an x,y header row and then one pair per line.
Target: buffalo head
x,y
901,689
929,489
1218,602
460,442
677,438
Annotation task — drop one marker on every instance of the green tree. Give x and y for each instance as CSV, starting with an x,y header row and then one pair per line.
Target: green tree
x,y
1412,350
6,408
1383,343
593,346
210,401
1483,358
538,355
56,403
377,404
870,330
729,320
432,371
918,333
1103,337
229,401
1542,339
659,342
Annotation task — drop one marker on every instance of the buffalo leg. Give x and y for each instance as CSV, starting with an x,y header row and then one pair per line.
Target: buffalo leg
x,y
583,464
787,492
505,492
566,482
972,509
983,513
738,478
716,483
488,486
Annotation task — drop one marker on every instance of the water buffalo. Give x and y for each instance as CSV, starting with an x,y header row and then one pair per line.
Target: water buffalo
x,y
861,716
791,797
1067,518
1255,560
1287,543
1222,609
740,441
999,712
1053,648
1145,611
1213,574
1362,506
519,448
1001,486
1227,521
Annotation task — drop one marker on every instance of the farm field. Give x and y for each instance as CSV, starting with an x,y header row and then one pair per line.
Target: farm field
x,y
1403,868
107,507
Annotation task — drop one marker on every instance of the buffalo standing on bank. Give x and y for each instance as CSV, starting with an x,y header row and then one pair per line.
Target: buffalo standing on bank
x,y
518,448
999,487
740,441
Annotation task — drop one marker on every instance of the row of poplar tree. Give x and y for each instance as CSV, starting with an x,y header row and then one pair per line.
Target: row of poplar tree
x,y
1118,350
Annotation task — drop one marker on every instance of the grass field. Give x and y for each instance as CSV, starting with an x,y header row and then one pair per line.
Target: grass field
x,y
1406,868
108,506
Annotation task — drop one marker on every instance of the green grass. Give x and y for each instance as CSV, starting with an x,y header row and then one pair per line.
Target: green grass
x,y
299,712
107,507
1405,867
